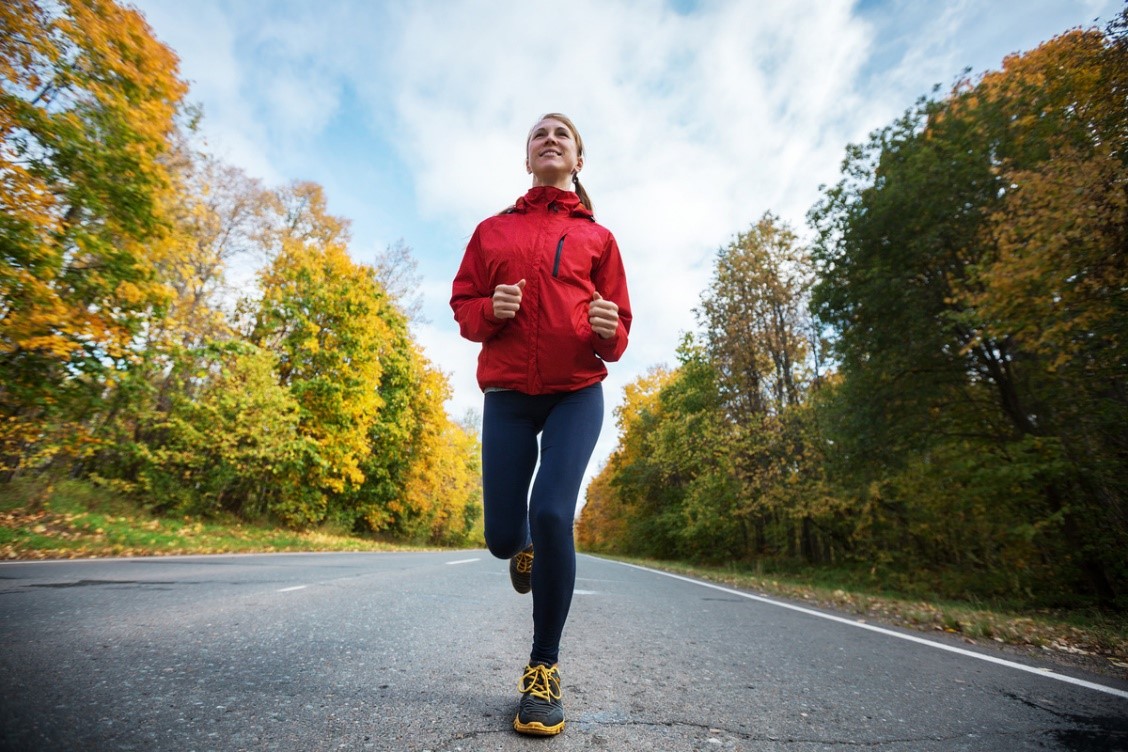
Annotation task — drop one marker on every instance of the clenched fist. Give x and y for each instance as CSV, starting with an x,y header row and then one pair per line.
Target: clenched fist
x,y
507,300
603,315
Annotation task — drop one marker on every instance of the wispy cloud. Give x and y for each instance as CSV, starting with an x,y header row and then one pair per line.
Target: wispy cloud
x,y
696,122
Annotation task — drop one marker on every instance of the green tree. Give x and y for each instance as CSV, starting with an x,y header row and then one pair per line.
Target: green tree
x,y
758,335
421,475
692,446
668,490
755,322
88,99
215,214
943,264
232,444
639,504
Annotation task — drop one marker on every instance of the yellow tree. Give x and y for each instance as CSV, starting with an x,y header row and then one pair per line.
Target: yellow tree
x,y
1052,271
441,493
599,528
635,508
755,320
421,473
88,99
322,314
216,216
628,494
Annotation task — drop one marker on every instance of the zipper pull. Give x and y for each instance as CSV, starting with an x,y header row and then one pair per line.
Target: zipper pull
x,y
559,253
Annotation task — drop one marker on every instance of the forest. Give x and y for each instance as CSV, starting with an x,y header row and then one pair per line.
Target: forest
x,y
924,387
927,386
134,356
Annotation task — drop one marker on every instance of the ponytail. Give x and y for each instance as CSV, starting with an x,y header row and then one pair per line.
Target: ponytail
x,y
583,194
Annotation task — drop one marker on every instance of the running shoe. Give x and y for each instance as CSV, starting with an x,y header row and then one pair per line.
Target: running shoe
x,y
541,712
521,571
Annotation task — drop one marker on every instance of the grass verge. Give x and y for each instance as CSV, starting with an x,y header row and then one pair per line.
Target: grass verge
x,y
75,520
1089,639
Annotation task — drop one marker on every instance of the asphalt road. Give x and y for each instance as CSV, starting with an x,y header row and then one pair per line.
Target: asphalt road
x,y
422,651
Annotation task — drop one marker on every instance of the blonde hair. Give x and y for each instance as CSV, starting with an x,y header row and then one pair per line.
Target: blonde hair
x,y
583,194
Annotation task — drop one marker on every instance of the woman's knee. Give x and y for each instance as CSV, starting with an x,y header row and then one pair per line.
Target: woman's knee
x,y
506,545
551,521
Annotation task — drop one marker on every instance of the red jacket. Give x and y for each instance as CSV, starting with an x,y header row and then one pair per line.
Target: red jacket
x,y
552,242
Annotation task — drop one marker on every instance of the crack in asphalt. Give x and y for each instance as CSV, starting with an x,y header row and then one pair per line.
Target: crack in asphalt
x,y
714,730
717,731
96,583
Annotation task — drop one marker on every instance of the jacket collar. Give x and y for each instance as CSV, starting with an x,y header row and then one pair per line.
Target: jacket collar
x,y
549,198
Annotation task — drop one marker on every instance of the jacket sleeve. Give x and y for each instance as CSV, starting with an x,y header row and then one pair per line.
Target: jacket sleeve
x,y
472,296
611,283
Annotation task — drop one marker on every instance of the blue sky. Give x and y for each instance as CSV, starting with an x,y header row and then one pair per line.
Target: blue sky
x,y
698,116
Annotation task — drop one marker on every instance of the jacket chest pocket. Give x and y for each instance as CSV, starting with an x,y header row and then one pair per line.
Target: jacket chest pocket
x,y
572,258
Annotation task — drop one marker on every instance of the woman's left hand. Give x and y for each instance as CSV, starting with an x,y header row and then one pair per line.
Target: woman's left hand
x,y
603,315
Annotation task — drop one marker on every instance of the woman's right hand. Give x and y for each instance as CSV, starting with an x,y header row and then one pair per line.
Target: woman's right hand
x,y
507,300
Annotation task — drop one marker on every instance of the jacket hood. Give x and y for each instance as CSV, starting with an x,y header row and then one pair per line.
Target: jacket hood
x,y
547,198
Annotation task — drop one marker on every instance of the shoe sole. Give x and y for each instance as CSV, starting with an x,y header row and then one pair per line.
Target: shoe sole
x,y
536,728
526,578
520,588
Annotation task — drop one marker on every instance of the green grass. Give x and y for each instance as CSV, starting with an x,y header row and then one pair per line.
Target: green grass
x,y
72,519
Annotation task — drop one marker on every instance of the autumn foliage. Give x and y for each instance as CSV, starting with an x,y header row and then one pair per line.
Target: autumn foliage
x,y
933,390
129,356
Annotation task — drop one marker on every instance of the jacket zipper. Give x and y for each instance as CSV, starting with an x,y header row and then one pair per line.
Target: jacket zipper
x,y
559,252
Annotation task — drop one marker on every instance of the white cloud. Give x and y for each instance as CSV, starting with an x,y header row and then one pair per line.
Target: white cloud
x,y
694,126
695,123
206,39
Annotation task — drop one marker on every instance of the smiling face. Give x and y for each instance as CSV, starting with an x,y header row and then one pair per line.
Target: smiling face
x,y
554,153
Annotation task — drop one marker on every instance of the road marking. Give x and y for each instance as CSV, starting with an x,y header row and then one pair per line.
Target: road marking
x,y
463,561
1048,673
292,589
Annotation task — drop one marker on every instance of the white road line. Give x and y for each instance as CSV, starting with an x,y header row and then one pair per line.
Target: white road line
x,y
292,589
463,561
1048,673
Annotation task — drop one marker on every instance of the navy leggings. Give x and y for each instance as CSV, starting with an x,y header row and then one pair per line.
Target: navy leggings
x,y
568,424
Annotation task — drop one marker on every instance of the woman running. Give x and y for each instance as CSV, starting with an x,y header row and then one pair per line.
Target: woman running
x,y
542,287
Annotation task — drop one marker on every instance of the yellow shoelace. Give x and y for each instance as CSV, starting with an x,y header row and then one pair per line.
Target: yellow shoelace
x,y
541,681
525,562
